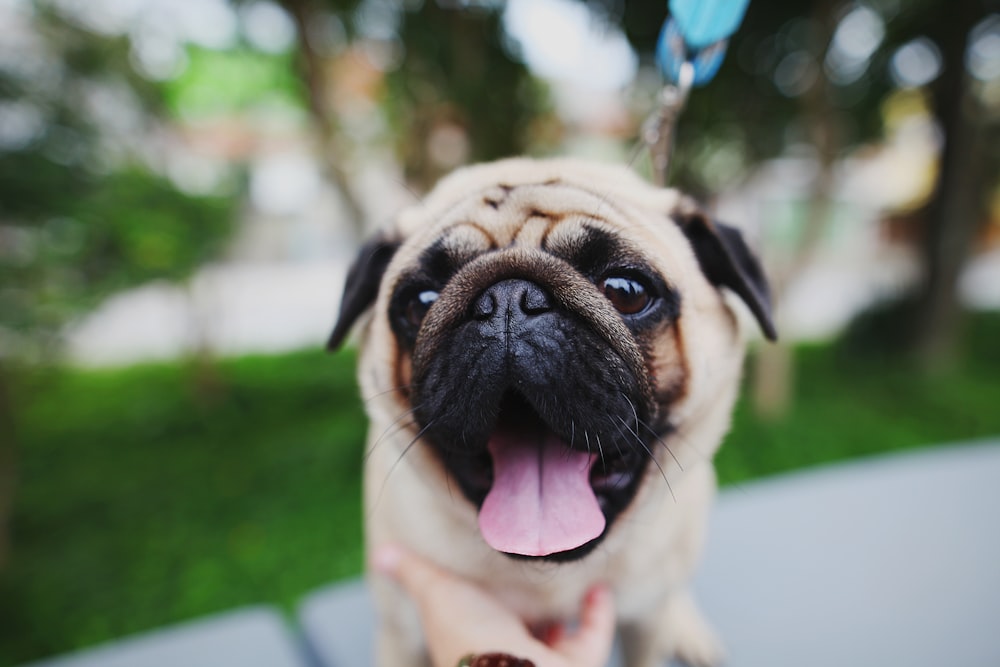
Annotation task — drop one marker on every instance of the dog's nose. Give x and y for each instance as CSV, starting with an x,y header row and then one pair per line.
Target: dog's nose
x,y
513,299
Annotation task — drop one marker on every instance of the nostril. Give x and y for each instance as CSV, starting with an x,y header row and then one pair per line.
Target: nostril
x,y
535,300
485,306
514,299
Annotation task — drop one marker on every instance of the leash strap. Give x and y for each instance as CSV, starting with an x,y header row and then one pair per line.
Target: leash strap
x,y
689,52
705,22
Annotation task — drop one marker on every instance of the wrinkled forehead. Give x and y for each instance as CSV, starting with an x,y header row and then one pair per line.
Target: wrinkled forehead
x,y
566,219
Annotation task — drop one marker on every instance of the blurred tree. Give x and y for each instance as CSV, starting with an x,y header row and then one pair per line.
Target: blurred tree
x,y
313,18
785,80
458,96
788,79
451,91
958,205
81,212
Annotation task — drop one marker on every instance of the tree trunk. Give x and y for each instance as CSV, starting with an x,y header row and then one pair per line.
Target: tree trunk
x,y
955,210
332,149
774,369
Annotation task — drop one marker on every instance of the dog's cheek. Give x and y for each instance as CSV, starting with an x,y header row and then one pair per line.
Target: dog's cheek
x,y
403,373
669,366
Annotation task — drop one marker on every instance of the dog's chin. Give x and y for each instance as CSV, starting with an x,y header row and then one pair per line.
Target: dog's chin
x,y
614,471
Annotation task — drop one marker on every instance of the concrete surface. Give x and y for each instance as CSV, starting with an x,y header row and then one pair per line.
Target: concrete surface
x,y
887,561
248,637
893,560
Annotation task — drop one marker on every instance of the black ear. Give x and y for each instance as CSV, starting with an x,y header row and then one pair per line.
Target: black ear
x,y
361,285
727,262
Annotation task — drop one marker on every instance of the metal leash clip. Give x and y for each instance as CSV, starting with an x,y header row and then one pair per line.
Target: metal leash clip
x,y
659,129
689,52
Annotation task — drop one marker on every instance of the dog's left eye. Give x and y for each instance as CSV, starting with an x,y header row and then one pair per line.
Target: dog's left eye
x,y
418,306
627,295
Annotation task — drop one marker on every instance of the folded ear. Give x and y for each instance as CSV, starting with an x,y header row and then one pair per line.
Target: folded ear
x,y
361,285
726,261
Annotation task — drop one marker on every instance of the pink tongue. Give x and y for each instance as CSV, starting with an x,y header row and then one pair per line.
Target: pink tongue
x,y
541,501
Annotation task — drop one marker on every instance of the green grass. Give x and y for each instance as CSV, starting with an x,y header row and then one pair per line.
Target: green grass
x,y
846,408
158,493
155,494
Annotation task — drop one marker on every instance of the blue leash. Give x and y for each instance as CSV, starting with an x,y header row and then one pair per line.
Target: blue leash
x,y
689,52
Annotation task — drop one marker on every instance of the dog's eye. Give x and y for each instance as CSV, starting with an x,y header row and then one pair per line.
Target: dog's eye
x,y
628,296
418,306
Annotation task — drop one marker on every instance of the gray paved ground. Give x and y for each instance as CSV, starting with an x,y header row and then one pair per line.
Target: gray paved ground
x,y
892,561
248,637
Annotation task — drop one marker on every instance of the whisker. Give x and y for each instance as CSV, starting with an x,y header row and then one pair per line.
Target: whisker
x,y
686,441
652,458
392,468
662,442
395,423
401,427
618,446
601,450
616,441
631,405
367,399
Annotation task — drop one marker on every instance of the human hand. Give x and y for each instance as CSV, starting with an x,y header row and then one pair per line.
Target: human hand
x,y
460,618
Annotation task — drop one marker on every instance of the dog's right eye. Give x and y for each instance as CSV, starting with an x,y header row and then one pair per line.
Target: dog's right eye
x,y
628,296
417,307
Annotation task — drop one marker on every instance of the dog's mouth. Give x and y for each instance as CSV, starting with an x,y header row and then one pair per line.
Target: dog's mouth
x,y
543,493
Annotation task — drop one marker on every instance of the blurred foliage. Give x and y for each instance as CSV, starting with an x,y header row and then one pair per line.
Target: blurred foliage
x,y
450,91
758,102
793,79
849,405
125,228
146,501
174,503
218,83
457,73
82,212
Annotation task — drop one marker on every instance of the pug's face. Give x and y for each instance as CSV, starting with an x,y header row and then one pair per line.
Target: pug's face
x,y
550,326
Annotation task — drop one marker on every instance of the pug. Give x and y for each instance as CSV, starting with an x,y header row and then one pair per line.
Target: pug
x,y
549,355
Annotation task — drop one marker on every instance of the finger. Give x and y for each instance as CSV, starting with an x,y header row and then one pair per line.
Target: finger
x,y
552,634
596,631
